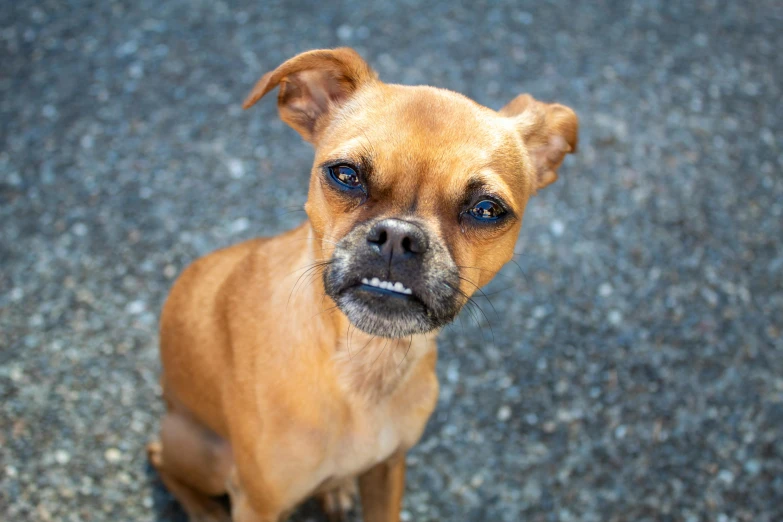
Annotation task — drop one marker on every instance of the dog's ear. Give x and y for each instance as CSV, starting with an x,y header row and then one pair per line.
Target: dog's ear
x,y
311,85
549,131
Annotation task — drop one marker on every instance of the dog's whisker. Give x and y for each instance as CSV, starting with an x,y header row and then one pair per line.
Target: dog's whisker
x,y
482,293
489,323
325,238
331,308
521,270
312,277
316,263
406,353
367,344
307,270
348,340
381,352
494,274
470,301
299,279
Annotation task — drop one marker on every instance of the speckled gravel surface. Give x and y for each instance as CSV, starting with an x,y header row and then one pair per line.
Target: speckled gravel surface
x,y
633,369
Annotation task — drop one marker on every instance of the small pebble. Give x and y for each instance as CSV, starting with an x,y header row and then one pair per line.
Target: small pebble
x,y
615,317
236,168
753,467
62,456
539,312
169,271
49,111
136,307
344,32
16,373
239,225
726,476
80,229
557,227
112,455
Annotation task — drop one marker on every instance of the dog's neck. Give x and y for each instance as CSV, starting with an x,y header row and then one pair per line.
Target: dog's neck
x,y
374,367
367,366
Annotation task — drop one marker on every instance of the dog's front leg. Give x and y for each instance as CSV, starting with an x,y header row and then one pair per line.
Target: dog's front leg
x,y
381,489
244,510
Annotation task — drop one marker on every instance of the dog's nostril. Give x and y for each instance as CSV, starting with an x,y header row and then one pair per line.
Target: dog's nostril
x,y
396,238
377,236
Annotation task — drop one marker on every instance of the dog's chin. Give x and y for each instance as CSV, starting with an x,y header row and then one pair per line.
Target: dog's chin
x,y
387,314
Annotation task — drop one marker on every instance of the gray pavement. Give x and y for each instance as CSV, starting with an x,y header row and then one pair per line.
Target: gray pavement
x,y
633,370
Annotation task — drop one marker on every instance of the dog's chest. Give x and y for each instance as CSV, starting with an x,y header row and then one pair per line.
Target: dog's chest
x,y
379,430
371,438
388,392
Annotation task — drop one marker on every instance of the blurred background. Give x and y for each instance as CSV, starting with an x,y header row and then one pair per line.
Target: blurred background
x,y
630,364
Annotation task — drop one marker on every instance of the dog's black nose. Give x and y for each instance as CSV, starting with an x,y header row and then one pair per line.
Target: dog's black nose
x,y
394,237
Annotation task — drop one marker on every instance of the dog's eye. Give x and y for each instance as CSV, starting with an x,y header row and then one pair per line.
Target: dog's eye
x,y
487,210
345,176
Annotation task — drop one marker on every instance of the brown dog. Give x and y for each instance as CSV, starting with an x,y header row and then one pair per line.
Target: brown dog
x,y
296,364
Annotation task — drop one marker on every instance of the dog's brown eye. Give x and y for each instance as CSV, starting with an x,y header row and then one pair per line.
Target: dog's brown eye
x,y
487,210
345,176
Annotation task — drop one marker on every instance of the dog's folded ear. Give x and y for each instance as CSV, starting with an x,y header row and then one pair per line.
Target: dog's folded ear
x,y
549,131
311,85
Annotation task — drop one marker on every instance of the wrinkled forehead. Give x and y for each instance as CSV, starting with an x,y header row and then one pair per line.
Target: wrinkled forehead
x,y
400,116
432,136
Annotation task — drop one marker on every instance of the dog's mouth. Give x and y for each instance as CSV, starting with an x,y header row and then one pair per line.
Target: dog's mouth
x,y
386,287
390,308
409,293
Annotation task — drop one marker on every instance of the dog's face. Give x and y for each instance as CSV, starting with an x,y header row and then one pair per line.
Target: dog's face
x,y
417,194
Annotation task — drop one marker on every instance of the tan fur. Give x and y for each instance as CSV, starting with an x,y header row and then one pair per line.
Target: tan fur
x,y
272,395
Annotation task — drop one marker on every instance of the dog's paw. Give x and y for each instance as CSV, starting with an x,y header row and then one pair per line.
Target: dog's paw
x,y
155,453
199,508
339,501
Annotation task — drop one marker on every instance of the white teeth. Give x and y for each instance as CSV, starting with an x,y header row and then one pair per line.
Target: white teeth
x,y
388,285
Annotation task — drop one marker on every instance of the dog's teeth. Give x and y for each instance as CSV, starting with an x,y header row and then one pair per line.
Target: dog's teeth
x,y
387,285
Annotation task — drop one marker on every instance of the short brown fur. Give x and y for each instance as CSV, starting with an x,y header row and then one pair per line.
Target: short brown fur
x,y
272,394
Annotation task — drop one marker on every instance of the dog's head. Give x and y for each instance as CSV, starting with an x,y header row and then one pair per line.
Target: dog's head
x,y
417,193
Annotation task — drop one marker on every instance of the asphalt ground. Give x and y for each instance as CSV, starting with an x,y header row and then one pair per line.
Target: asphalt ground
x,y
630,367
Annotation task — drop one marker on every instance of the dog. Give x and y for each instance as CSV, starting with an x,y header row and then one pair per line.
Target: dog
x,y
303,364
